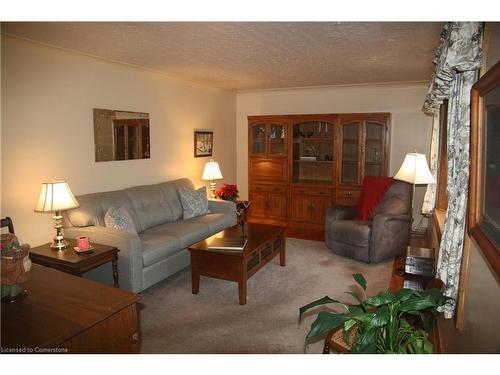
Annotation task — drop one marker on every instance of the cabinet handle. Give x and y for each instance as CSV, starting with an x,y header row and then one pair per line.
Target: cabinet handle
x,y
348,194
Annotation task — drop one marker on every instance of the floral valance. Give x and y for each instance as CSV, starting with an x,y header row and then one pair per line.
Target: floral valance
x,y
460,50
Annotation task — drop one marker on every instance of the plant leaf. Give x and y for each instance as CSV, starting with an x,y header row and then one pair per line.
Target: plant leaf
x,y
348,324
356,296
382,298
360,280
418,304
404,294
381,317
325,322
322,301
365,342
355,310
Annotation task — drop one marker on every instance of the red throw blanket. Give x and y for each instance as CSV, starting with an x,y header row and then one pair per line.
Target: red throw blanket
x,y
372,192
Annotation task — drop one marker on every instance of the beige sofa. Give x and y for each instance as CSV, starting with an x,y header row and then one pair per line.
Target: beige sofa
x,y
160,247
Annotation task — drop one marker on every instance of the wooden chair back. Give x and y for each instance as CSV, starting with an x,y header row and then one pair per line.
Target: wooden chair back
x,y
7,222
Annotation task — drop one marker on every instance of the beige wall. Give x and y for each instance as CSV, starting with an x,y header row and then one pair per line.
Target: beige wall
x,y
481,329
47,127
410,128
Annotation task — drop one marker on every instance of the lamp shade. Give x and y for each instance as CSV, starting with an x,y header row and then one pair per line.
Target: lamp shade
x,y
55,196
415,170
211,171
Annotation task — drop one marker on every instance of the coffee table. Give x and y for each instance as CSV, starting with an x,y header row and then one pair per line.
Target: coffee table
x,y
264,243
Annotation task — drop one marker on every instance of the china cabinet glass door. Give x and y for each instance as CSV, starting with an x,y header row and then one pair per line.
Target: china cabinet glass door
x,y
277,140
313,152
350,153
374,146
258,139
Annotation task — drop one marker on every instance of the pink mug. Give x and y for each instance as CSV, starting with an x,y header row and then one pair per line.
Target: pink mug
x,y
83,242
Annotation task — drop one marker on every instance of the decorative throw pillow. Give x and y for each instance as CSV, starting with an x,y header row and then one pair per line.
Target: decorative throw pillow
x,y
194,203
372,192
119,219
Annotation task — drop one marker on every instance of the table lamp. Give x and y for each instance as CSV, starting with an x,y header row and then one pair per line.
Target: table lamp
x,y
212,173
415,171
56,196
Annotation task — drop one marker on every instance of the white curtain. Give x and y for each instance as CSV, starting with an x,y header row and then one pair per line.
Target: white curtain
x,y
458,58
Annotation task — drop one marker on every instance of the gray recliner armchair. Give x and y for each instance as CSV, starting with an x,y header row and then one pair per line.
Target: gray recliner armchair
x,y
386,234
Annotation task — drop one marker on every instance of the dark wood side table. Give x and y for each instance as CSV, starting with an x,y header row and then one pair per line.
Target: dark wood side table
x,y
70,261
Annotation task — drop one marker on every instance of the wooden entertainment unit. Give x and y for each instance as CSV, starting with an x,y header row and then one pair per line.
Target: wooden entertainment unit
x,y
300,165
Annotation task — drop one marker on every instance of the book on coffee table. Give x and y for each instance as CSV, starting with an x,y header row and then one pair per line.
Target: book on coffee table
x,y
228,244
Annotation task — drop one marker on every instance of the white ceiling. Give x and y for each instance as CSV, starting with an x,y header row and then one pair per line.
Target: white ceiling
x,y
254,55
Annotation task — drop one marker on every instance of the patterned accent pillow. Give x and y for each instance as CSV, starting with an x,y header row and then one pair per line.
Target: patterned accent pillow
x,y
119,219
194,203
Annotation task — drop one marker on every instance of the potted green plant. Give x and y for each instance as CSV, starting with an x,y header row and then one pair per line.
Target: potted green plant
x,y
385,323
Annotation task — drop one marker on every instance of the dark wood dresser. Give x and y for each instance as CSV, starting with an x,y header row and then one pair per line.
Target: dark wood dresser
x,y
67,314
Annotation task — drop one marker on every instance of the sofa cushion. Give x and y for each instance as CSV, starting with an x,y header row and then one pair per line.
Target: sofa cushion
x,y
151,206
119,218
156,247
94,206
194,202
351,232
170,190
187,232
87,214
216,221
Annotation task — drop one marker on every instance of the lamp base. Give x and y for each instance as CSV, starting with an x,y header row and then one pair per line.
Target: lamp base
x,y
58,243
212,187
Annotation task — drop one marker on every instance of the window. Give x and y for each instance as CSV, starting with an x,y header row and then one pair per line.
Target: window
x,y
484,191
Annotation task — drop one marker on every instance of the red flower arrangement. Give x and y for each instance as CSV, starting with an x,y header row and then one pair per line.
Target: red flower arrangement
x,y
227,192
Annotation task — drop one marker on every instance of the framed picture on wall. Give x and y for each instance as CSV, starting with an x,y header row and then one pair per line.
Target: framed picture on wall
x,y
203,143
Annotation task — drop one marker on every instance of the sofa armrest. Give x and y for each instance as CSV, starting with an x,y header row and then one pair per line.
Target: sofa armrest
x,y
221,206
340,213
390,236
130,262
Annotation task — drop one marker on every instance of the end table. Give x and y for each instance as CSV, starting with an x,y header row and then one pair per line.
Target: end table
x,y
74,263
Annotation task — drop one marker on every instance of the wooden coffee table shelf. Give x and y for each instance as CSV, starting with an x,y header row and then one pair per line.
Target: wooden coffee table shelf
x,y
264,243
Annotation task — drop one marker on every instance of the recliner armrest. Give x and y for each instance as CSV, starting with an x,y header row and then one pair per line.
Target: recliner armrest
x,y
390,236
340,213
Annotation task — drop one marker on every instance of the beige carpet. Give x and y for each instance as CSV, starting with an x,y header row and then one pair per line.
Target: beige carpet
x,y
175,321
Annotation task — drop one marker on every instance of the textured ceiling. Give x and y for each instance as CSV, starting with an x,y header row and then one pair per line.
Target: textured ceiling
x,y
254,55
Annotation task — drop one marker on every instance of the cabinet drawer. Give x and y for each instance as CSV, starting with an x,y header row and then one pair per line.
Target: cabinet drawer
x,y
268,188
271,169
347,196
321,191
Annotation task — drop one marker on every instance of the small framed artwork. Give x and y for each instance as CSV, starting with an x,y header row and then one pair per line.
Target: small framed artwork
x,y
203,143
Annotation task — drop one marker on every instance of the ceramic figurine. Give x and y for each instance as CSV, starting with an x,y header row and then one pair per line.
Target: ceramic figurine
x,y
16,265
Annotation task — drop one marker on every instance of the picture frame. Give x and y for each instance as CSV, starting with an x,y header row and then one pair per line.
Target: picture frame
x,y
203,143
